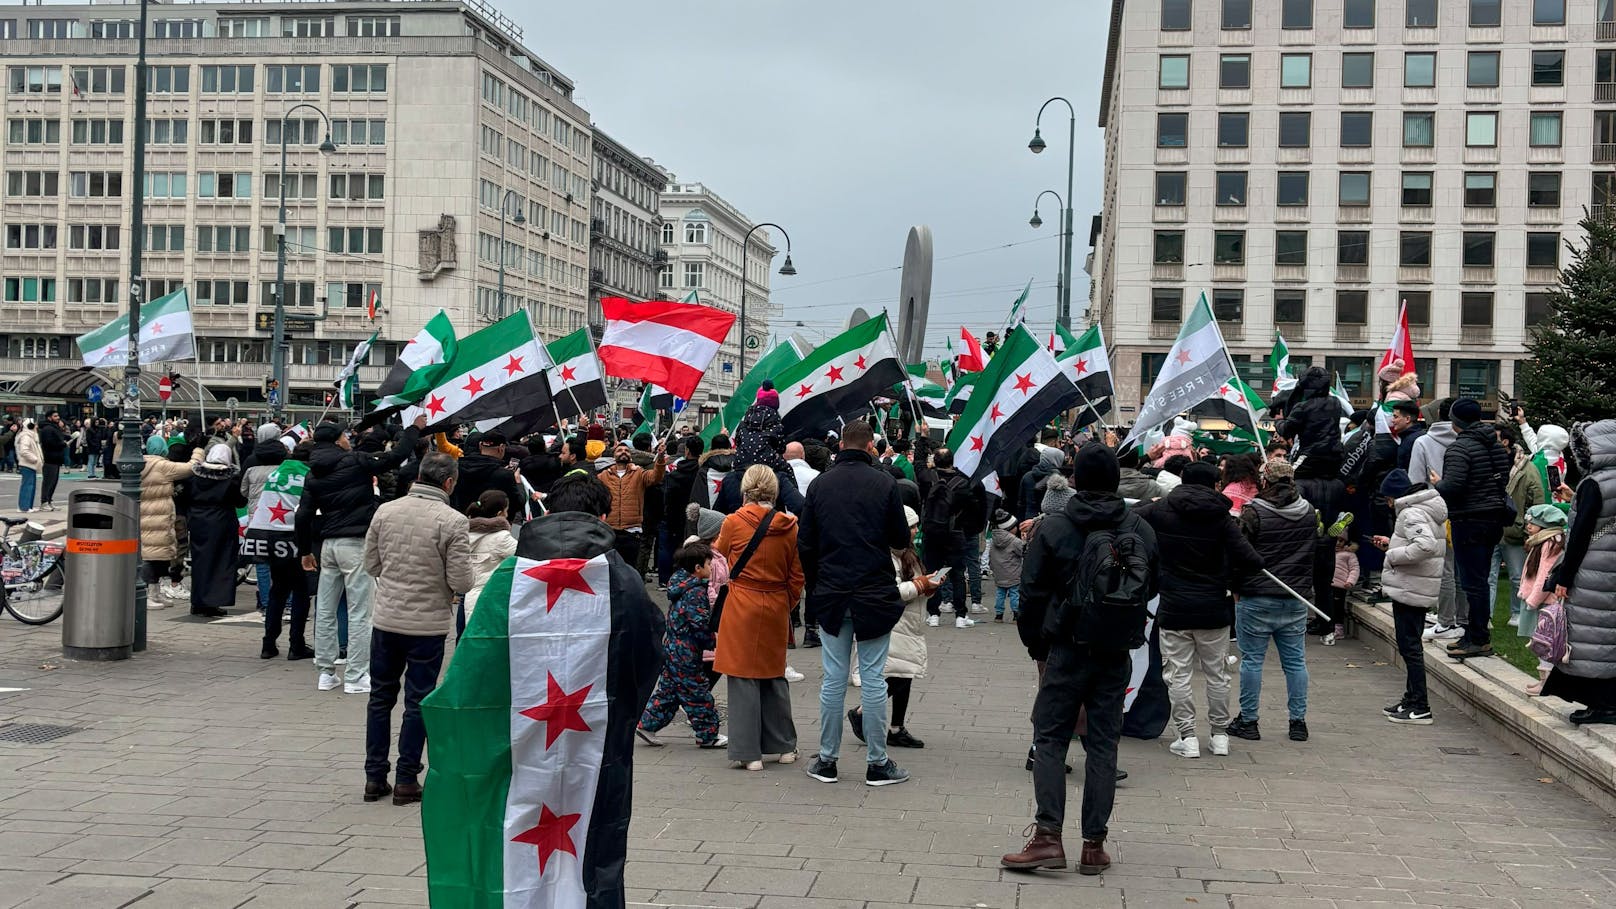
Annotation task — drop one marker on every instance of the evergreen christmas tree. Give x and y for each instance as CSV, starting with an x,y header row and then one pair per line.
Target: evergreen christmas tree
x,y
1572,374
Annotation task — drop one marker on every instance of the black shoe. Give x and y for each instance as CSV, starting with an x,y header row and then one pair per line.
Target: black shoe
x,y
376,790
299,652
1411,716
1588,715
1242,728
1394,709
856,720
1298,730
811,639
1463,650
822,770
342,655
1319,627
885,773
1034,750
269,651
406,793
210,612
791,643
902,739
1121,774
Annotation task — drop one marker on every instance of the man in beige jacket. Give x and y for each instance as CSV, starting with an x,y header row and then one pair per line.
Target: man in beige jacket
x,y
419,551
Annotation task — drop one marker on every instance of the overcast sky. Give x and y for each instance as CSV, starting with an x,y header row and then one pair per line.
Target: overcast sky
x,y
849,122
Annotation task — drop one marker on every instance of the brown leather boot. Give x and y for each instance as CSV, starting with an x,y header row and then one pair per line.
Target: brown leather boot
x,y
1044,850
1093,860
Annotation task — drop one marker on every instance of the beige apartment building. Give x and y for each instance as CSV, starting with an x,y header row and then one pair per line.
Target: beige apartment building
x,y
1312,164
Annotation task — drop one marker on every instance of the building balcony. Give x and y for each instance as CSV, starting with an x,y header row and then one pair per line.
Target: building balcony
x,y
1602,211
597,225
1605,31
1605,153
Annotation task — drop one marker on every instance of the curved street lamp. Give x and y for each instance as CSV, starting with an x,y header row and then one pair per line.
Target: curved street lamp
x,y
786,269
278,353
519,221
1060,267
1036,146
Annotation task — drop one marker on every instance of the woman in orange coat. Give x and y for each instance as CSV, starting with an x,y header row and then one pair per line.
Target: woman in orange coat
x,y
756,624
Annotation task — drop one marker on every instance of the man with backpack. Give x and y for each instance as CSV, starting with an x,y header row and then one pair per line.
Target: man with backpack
x,y
956,508
1086,582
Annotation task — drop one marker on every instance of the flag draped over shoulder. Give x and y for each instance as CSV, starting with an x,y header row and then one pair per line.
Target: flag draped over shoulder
x,y
529,791
419,365
497,372
841,377
1196,367
269,530
776,359
1022,389
165,334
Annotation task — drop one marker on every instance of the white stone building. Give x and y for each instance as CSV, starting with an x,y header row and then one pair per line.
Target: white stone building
x,y
1310,164
438,113
625,239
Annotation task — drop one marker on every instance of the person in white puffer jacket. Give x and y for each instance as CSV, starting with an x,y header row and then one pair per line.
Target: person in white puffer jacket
x,y
1412,577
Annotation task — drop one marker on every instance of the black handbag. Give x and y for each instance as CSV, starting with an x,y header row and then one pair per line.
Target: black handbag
x,y
740,565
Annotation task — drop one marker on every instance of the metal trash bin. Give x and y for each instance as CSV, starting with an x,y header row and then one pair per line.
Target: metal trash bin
x,y
103,553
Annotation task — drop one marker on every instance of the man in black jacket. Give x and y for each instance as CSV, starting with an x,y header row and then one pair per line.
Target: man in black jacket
x,y
676,489
488,469
850,523
53,445
332,519
1202,553
955,509
1475,471
1313,422
1074,676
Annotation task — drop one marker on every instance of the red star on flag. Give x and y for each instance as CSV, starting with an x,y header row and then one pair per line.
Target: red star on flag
x,y
1224,391
1082,366
718,483
859,362
804,391
434,405
473,386
995,414
112,348
157,328
834,374
552,834
560,710
567,373
559,575
1024,383
278,512
514,365
1183,357
976,443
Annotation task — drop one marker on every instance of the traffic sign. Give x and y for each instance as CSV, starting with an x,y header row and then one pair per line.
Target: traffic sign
x,y
753,342
112,399
165,388
94,394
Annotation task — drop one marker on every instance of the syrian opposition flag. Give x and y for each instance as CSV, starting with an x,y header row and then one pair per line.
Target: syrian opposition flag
x,y
932,398
1086,363
663,342
1018,313
348,377
1196,367
419,365
970,358
269,530
296,434
1401,346
777,358
1339,392
1022,389
1279,360
165,334
529,791
1235,402
497,372
841,377
648,409
959,394
576,387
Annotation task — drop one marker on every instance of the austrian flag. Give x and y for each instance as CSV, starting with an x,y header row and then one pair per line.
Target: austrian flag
x,y
661,342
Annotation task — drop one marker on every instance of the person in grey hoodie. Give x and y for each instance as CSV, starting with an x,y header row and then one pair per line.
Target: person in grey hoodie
x,y
1429,450
1004,560
1134,486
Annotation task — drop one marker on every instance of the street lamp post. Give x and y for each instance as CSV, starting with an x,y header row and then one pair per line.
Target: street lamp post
x,y
786,269
130,461
278,353
1060,268
1064,317
519,222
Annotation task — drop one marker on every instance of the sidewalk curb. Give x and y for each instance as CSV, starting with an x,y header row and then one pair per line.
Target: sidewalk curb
x,y
1492,692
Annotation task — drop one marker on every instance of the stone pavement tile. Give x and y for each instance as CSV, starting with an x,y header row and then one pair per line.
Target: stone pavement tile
x,y
855,886
1203,875
962,872
103,847
293,896
716,898
1142,897
127,803
1125,851
209,806
411,883
18,886
808,902
1539,877
194,851
1263,859
1041,896
402,860
940,892
47,800
211,872
282,856
763,881
389,898
666,876
192,894
787,862
96,895
1379,866
1275,902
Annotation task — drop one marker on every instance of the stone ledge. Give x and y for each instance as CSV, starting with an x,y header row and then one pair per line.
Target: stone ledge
x,y
1493,693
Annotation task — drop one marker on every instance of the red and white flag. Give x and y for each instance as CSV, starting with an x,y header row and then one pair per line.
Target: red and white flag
x,y
970,358
1402,346
372,302
661,342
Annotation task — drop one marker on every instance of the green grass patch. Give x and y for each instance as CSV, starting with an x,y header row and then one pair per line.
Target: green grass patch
x,y
1507,641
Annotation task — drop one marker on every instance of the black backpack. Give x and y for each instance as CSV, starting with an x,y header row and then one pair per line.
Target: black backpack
x,y
1109,602
941,511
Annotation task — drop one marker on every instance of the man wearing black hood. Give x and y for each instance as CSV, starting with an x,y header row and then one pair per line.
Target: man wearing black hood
x,y
1313,423
1076,675
485,470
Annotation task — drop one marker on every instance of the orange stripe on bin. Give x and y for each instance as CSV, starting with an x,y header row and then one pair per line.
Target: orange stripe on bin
x,y
102,547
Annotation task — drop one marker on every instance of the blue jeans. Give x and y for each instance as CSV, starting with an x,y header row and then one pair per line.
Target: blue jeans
x,y
1013,594
664,553
264,582
1513,557
25,492
1285,620
399,661
973,566
834,658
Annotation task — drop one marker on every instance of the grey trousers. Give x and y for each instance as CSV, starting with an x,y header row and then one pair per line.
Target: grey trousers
x,y
1183,651
1447,600
759,718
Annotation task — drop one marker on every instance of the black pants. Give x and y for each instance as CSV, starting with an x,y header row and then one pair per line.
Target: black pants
x,y
155,569
416,660
945,549
1075,678
628,547
1410,624
1336,605
898,693
1470,569
286,583
47,487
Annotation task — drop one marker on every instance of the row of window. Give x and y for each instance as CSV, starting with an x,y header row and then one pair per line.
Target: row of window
x,y
208,292
46,236
532,114
517,156
1357,128
613,177
1293,188
42,289
351,187
209,238
517,258
1351,247
1351,307
1357,70
1178,15
366,26
623,225
92,81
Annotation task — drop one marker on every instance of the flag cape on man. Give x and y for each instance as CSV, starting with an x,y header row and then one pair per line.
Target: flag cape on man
x,y
841,377
165,334
1022,389
269,530
497,372
529,792
1086,362
419,365
576,387
777,358
1196,366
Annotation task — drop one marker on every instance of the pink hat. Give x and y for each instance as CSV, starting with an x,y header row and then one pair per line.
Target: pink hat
x,y
767,396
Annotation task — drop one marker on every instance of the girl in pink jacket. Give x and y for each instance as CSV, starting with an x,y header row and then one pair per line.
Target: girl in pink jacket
x,y
1545,541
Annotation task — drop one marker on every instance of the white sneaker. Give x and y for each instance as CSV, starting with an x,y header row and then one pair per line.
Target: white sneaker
x,y
793,675
1232,659
932,621
360,687
328,681
182,589
719,742
1441,632
1188,748
963,622
1515,621
978,608
1220,745
855,679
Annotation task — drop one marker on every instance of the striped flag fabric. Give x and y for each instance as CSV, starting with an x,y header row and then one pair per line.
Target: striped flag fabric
x,y
1196,366
1402,344
1087,363
497,372
670,344
959,394
529,792
165,334
576,387
933,398
1236,402
775,359
269,529
420,364
971,358
1279,360
1022,389
347,381
1018,311
296,434
841,377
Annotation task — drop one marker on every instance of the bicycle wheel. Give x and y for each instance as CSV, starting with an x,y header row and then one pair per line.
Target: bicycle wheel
x,y
35,602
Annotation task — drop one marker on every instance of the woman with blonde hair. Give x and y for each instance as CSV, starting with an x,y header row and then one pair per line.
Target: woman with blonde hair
x,y
765,580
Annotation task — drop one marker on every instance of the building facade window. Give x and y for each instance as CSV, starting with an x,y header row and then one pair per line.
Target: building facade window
x,y
1357,129
1414,249
228,80
1548,68
1539,308
1481,129
1229,247
1231,187
1354,188
1169,247
1175,15
1290,247
1166,305
165,80
1296,14
1352,247
1172,130
1358,14
1351,307
1481,69
1236,14
1476,309
1290,307
1417,189
1292,188
1234,71
308,27
1420,13
292,79
1419,129
1480,189
1550,12
1419,70
1295,129
358,78
1358,70
1485,13
695,232
1173,71
695,274
1233,128
1543,249
1296,71
1229,305
1543,189
1545,129
1170,190
37,184
1477,251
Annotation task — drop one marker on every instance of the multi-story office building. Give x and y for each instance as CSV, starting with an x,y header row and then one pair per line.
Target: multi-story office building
x,y
625,238
704,236
440,116
1312,164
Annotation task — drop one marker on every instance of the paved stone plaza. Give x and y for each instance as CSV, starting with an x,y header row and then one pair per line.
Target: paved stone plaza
x,y
204,777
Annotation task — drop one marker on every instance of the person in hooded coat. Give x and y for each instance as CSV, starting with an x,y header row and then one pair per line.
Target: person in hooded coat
x,y
214,529
1031,489
711,468
761,439
1313,424
1585,579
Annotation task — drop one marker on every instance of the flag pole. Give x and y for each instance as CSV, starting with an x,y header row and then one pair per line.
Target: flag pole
x,y
1305,602
1098,418
909,391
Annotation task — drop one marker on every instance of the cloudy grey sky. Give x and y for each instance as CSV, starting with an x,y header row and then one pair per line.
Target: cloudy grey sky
x,y
847,122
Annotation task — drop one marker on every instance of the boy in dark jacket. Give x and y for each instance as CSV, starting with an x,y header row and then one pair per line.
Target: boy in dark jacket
x,y
684,675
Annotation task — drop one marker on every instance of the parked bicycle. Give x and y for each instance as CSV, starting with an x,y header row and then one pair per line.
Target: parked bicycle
x,y
30,576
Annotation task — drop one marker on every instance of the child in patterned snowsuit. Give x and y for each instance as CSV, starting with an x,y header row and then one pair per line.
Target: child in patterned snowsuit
x,y
684,678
